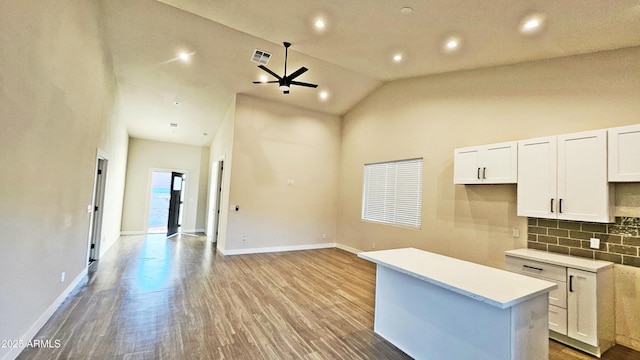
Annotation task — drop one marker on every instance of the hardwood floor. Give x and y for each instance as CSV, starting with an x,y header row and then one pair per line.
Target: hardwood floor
x,y
158,298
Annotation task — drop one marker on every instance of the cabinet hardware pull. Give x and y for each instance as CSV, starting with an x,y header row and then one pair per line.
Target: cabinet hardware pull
x,y
531,267
560,206
551,204
478,173
570,283
484,173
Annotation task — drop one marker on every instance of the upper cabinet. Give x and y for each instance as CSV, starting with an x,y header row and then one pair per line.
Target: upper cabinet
x,y
564,177
486,164
624,153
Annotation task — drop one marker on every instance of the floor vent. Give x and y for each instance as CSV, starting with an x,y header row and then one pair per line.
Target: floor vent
x,y
260,57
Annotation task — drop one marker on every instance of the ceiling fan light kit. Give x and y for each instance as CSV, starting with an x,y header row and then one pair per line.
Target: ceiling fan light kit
x,y
284,82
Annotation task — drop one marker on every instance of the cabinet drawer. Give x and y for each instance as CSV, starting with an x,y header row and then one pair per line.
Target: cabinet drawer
x,y
536,269
558,319
558,296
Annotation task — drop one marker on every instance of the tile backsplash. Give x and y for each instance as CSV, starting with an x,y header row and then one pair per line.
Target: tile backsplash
x,y
619,242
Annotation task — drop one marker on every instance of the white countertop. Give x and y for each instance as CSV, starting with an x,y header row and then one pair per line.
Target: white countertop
x,y
493,286
562,260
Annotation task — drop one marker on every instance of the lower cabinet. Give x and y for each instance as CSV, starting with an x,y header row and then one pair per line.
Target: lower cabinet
x,y
582,306
581,309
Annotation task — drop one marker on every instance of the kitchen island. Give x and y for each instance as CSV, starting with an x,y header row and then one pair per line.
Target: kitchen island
x,y
436,307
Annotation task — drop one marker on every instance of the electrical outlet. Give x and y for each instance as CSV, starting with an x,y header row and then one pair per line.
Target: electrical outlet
x,y
244,238
62,276
324,236
515,232
594,243
373,245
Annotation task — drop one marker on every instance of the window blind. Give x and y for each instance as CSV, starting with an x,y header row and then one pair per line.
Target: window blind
x,y
392,193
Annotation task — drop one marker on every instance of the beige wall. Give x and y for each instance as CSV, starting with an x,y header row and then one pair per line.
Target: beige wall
x,y
57,95
146,156
222,150
428,117
275,143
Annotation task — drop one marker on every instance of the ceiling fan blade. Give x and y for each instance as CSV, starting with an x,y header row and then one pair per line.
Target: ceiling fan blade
x,y
303,84
266,82
297,73
270,72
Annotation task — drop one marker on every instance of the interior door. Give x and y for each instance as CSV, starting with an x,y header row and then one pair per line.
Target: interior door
x,y
215,192
175,202
98,203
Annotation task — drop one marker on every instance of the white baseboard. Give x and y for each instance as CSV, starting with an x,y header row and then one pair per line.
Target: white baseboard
x,y
33,330
134,232
348,248
276,249
137,232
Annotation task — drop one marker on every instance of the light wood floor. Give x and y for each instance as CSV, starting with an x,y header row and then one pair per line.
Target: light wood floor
x,y
158,298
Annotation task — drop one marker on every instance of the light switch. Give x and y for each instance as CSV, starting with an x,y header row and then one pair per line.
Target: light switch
x,y
595,243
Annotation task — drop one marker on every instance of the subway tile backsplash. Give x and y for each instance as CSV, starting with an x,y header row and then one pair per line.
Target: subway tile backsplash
x,y
619,242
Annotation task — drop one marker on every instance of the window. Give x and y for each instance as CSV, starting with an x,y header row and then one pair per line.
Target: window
x,y
392,193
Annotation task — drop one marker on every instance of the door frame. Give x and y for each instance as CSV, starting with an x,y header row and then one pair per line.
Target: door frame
x,y
97,200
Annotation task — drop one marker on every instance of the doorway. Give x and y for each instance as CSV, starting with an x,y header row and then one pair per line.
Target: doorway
x,y
215,192
159,202
166,202
98,204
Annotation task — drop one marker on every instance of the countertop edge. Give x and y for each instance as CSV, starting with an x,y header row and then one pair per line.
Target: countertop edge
x,y
492,302
556,259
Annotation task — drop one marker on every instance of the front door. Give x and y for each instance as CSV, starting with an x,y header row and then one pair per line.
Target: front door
x,y
175,202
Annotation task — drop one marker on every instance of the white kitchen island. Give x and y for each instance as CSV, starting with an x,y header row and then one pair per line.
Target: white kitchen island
x,y
436,307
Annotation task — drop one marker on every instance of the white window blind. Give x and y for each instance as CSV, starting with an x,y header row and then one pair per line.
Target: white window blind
x,y
392,193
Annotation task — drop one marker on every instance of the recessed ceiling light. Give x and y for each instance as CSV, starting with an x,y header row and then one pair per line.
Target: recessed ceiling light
x,y
324,95
177,103
320,24
397,57
406,10
173,125
532,23
452,44
205,134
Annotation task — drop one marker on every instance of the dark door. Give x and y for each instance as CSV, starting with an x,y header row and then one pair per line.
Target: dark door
x,y
177,180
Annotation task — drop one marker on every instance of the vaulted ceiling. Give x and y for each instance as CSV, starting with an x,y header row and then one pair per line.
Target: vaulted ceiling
x,y
349,57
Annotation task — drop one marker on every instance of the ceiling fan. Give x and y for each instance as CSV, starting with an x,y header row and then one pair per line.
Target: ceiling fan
x,y
285,82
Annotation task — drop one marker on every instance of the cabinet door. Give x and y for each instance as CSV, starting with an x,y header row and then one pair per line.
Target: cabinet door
x,y
583,190
466,168
582,306
499,163
624,153
537,177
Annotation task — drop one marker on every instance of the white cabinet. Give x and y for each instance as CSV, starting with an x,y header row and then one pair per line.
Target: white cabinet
x,y
582,319
581,309
624,153
486,164
564,177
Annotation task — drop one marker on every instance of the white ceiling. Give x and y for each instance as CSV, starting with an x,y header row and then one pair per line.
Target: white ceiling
x,y
349,59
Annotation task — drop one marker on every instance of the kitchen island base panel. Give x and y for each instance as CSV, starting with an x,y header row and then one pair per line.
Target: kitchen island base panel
x,y
427,321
